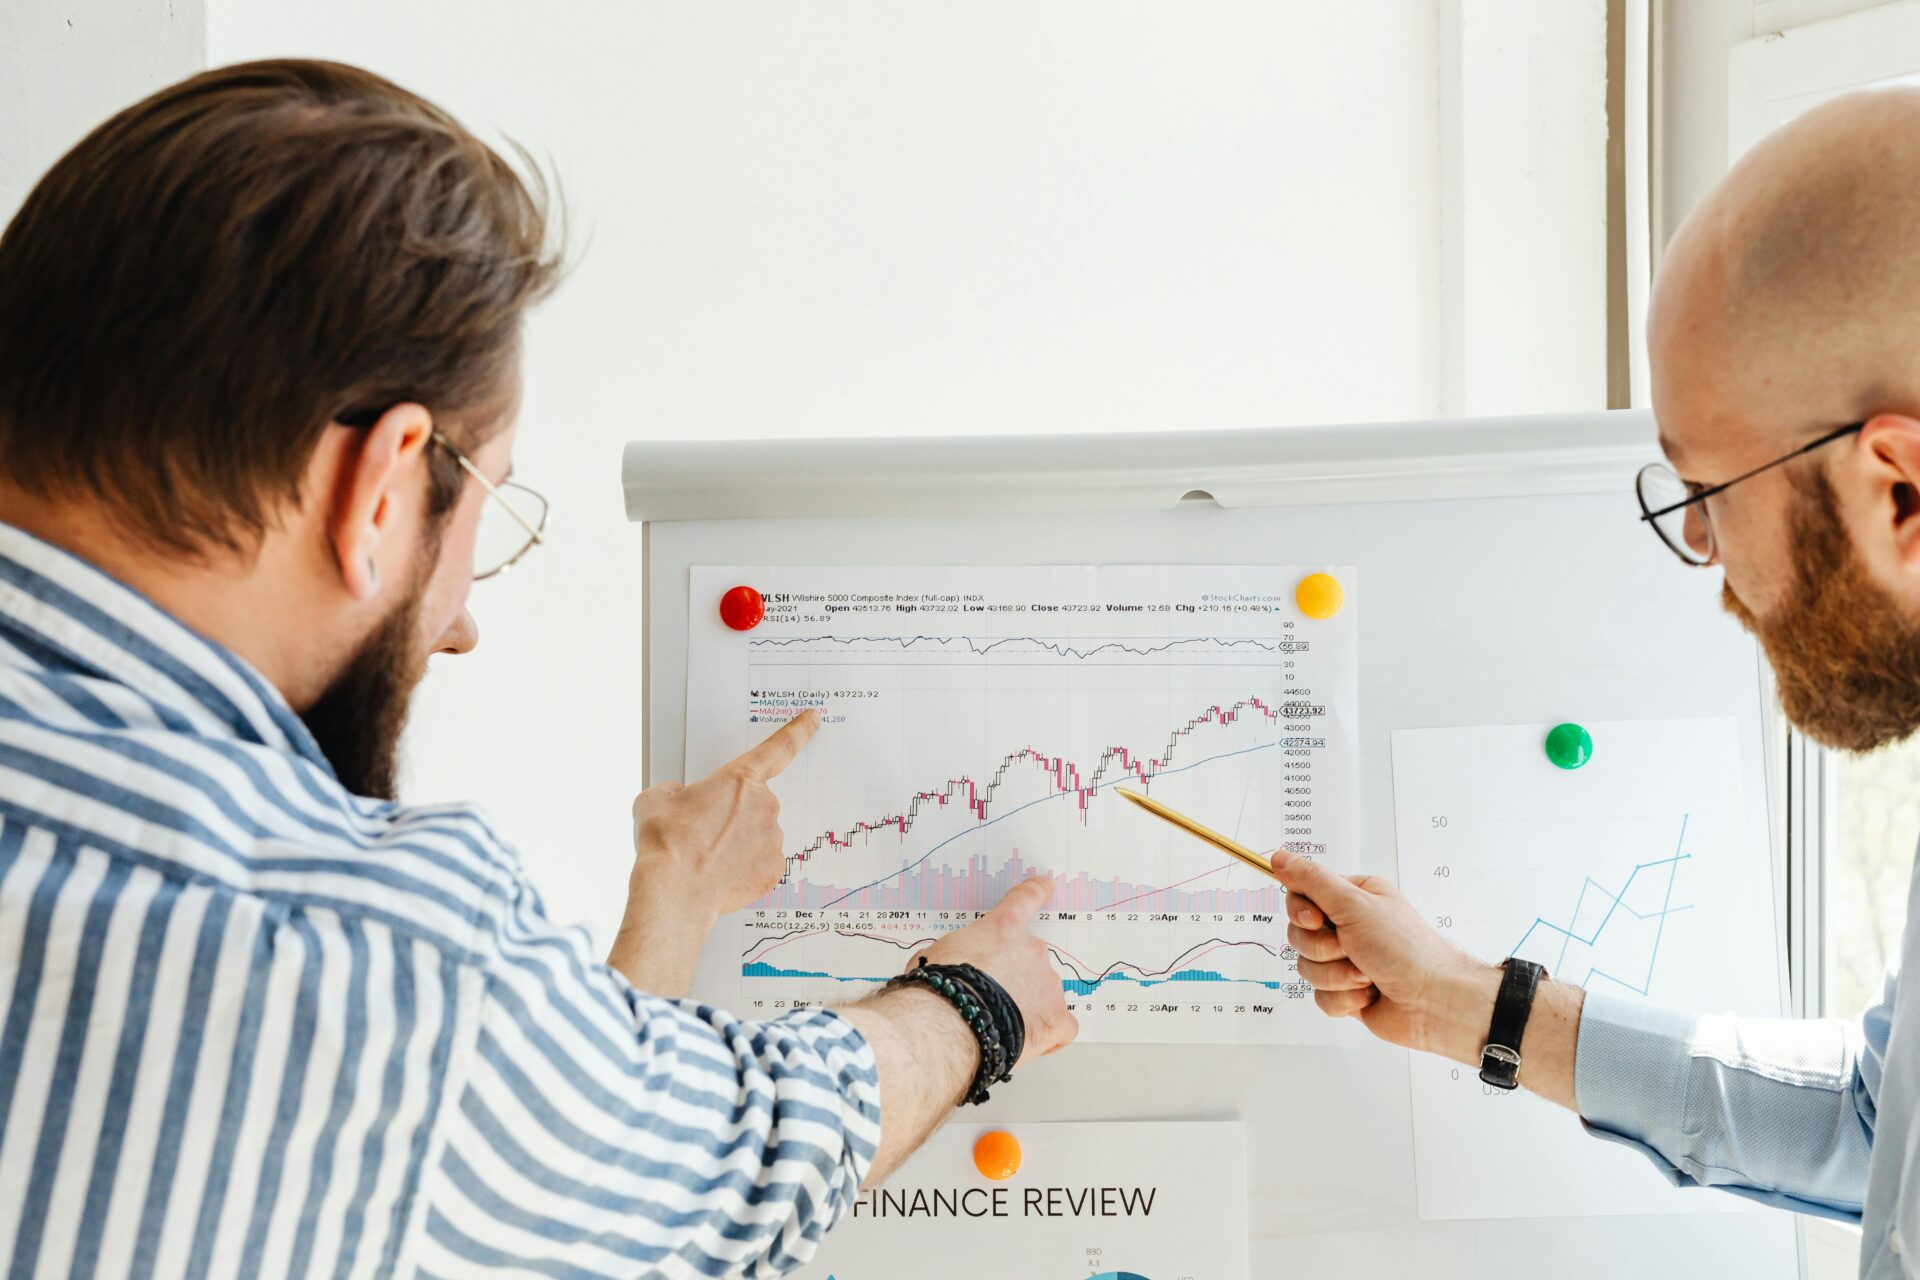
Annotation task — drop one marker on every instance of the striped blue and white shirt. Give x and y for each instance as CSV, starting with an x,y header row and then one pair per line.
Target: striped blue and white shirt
x,y
253,1024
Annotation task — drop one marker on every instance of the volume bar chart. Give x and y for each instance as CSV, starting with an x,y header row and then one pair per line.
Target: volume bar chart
x,y
977,883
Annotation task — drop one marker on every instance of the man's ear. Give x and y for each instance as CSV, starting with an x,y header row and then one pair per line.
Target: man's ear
x,y
377,498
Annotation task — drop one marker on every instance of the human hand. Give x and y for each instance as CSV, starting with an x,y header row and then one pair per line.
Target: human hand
x,y
714,846
1369,953
1002,945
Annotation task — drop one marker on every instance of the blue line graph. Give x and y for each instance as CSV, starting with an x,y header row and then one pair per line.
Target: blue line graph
x,y
1616,902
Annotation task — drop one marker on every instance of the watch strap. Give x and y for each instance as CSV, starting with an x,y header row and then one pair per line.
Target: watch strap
x,y
1500,1057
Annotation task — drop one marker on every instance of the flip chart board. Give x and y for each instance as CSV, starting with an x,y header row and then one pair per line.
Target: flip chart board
x,y
1503,578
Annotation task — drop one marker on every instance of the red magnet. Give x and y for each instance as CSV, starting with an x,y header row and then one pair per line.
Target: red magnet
x,y
742,608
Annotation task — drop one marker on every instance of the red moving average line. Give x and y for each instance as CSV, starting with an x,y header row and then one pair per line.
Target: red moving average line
x,y
1063,777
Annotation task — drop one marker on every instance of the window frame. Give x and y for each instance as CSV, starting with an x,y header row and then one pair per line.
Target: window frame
x,y
1808,780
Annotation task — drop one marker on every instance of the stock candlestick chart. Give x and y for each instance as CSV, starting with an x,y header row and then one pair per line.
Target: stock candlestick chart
x,y
1061,778
975,722
1639,876
1062,775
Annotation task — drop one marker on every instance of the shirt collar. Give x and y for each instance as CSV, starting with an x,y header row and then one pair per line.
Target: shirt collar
x,y
59,611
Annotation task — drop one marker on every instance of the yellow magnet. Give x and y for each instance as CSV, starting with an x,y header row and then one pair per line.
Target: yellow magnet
x,y
1319,595
996,1155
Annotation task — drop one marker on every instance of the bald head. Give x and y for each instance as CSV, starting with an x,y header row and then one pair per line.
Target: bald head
x,y
1788,307
1789,301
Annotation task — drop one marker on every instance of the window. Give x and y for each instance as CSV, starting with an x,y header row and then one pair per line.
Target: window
x,y
1874,819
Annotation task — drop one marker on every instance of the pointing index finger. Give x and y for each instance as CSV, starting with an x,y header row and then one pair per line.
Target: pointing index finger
x,y
1025,899
779,748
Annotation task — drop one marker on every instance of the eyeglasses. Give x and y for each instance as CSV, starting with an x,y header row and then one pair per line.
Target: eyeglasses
x,y
1677,509
512,522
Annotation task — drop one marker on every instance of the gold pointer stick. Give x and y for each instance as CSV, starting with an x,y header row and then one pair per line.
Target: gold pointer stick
x,y
1212,837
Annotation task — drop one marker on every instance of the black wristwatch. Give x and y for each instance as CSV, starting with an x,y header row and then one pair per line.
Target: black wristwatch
x,y
1500,1058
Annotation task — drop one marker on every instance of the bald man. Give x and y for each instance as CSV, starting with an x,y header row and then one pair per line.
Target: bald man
x,y
1785,336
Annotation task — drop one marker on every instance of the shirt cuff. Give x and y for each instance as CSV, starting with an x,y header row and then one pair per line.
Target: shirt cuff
x,y
1631,1064
855,1072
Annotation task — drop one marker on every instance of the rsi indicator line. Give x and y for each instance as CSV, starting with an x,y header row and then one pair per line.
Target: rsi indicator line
x,y
1617,902
981,646
1063,776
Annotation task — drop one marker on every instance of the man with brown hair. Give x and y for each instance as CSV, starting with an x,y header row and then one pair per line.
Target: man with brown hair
x,y
259,362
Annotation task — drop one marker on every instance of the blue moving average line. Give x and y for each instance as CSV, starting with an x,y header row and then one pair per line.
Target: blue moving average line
x,y
1617,902
982,826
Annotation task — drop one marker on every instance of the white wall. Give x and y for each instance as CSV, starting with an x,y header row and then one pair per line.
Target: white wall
x,y
861,217
66,67
883,216
870,218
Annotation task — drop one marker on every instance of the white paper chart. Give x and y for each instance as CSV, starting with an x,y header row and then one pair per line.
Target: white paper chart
x,y
976,721
1636,874
1106,1201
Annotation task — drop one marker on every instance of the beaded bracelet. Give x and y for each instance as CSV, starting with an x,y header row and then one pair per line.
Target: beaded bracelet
x,y
989,1012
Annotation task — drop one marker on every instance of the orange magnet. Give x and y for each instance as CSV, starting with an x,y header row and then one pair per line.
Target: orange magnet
x,y
996,1155
1319,595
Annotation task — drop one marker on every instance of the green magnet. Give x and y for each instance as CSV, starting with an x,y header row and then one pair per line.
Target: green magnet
x,y
1569,746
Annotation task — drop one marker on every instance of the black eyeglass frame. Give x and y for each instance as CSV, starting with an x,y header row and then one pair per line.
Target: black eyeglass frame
x,y
1687,556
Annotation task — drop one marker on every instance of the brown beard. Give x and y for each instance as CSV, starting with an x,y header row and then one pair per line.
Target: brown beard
x,y
1845,657
358,720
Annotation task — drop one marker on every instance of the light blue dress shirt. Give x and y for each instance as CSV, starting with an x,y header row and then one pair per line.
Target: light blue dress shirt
x,y
1814,1116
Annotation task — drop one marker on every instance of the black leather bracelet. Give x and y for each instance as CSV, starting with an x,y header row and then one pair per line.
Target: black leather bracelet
x,y
989,1012
1500,1057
